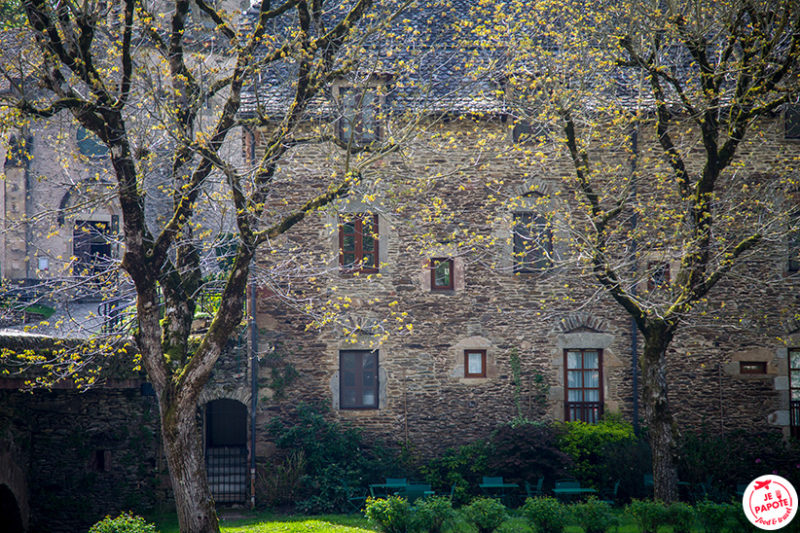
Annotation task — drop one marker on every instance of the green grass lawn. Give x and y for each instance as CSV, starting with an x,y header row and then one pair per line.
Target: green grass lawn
x,y
266,522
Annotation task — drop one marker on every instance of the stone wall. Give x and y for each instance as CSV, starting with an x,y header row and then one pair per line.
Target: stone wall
x,y
426,402
81,455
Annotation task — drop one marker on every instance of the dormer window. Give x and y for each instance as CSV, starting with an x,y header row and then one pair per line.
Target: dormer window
x,y
359,123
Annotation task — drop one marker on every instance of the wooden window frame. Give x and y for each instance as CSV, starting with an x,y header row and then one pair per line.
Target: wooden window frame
x,y
358,244
522,262
359,388
482,373
753,367
359,136
582,369
433,263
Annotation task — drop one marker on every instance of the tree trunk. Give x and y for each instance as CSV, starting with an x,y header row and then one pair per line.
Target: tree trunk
x,y
184,451
658,414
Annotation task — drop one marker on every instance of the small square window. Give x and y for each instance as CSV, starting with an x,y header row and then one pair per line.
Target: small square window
x,y
441,274
791,122
44,264
752,367
474,363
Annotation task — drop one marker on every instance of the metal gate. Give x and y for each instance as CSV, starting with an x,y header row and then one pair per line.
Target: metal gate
x,y
226,468
226,450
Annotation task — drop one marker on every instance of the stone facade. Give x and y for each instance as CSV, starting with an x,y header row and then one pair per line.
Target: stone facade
x,y
425,400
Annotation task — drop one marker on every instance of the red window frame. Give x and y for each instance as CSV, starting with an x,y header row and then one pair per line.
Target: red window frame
x,y
585,410
358,251
434,267
358,381
482,373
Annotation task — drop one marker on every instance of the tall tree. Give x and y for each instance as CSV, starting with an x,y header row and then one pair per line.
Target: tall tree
x,y
655,108
161,87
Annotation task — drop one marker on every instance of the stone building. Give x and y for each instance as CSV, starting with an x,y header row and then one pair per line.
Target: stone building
x,y
431,328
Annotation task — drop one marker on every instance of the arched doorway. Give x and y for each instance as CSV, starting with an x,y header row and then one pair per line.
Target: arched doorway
x,y
9,511
226,450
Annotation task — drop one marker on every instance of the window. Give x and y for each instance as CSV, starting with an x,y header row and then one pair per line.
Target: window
x,y
101,461
474,363
794,391
584,391
752,367
659,275
441,274
794,242
791,122
359,124
358,379
533,242
91,246
358,242
89,145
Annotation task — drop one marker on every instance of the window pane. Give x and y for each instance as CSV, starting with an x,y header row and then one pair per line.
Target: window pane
x,y
348,242
794,357
348,398
795,380
590,359
591,395
348,361
574,379
368,398
574,360
442,273
369,261
591,379
475,363
575,395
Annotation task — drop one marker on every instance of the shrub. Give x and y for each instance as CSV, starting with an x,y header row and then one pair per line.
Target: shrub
x,y
547,514
486,514
391,515
334,456
526,451
463,466
708,454
124,523
627,462
584,443
741,524
648,515
713,516
594,516
434,514
515,525
681,516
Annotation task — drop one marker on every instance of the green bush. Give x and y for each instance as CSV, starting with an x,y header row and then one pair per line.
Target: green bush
x,y
486,514
124,523
594,516
525,451
627,462
707,454
547,514
647,514
584,443
334,457
463,466
713,516
390,515
434,514
681,516
741,524
515,524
